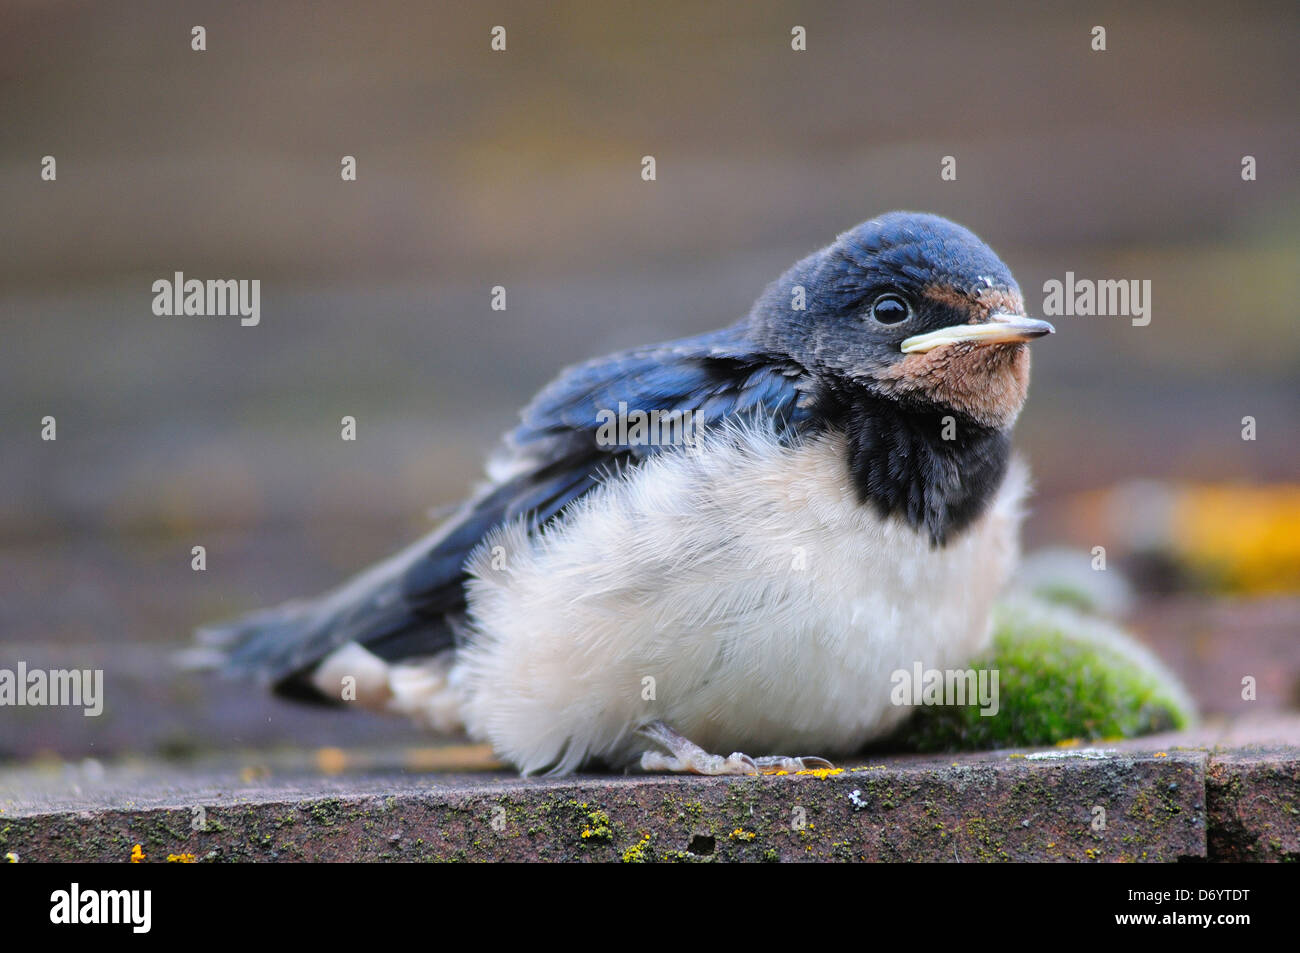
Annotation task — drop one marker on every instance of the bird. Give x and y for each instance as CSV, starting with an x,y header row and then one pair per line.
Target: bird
x,y
723,543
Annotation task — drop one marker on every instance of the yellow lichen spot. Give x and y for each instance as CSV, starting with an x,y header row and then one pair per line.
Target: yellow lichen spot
x,y
636,854
821,772
599,828
137,854
1161,754
1010,756
331,760
180,858
742,835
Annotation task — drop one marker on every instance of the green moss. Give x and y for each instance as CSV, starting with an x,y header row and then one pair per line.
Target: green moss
x,y
326,812
1061,676
1066,595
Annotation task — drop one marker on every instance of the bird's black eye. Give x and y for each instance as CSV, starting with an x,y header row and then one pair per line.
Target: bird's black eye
x,y
890,309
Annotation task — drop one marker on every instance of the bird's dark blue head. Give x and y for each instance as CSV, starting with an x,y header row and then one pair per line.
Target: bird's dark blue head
x,y
908,306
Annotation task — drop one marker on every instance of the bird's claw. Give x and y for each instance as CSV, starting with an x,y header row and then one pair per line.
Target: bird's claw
x,y
779,764
687,757
700,762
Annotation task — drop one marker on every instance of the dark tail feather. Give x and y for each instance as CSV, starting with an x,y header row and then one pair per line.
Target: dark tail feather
x,y
256,645
252,644
280,647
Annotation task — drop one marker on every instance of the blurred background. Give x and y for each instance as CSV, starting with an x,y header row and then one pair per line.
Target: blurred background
x,y
522,169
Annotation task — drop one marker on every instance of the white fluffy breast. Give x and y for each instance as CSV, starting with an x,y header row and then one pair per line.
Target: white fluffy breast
x,y
738,592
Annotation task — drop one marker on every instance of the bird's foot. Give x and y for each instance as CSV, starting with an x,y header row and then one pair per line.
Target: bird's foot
x,y
686,757
782,764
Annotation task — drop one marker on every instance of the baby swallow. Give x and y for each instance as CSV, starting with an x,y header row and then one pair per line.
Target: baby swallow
x,y
723,543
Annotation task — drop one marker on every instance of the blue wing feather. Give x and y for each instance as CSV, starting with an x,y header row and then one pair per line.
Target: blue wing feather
x,y
715,376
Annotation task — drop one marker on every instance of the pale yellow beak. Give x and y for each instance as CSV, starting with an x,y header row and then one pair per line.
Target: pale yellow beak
x,y
1000,329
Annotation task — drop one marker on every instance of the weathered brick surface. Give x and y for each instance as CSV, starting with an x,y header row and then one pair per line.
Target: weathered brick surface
x,y
1253,801
1221,792
990,809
